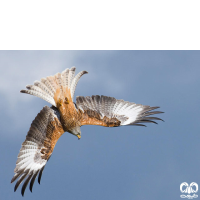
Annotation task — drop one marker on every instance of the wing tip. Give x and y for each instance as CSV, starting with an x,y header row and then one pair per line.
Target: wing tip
x,y
72,68
12,180
29,87
40,174
22,91
85,72
137,124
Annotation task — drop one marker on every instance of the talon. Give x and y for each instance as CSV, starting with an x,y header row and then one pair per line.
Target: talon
x,y
59,103
66,100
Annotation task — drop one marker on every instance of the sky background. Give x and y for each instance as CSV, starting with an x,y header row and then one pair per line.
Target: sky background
x,y
128,162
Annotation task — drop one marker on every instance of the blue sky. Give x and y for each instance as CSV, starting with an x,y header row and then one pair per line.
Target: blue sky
x,y
108,163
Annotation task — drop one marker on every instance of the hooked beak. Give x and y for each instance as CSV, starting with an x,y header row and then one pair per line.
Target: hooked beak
x,y
79,137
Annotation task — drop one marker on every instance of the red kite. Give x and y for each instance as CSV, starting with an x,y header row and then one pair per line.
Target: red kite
x,y
67,116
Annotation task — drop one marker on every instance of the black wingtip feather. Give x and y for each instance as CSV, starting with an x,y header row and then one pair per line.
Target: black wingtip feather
x,y
138,125
150,108
153,118
40,174
85,72
23,91
25,184
153,113
148,121
18,174
29,87
33,180
19,181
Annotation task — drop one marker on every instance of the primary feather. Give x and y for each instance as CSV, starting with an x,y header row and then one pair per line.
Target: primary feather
x,y
38,146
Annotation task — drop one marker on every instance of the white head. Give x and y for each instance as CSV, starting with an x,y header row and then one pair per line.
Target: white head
x,y
76,131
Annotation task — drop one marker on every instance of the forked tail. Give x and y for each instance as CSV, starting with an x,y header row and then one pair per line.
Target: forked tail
x,y
52,88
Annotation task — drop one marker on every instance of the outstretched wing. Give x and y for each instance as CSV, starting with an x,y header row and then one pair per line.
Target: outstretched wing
x,y
40,141
110,112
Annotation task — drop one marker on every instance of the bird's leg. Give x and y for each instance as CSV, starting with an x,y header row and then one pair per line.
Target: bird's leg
x,y
59,103
66,100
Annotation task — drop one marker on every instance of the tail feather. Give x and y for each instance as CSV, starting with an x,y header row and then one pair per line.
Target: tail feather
x,y
38,89
43,87
59,82
52,82
65,74
37,94
48,84
71,76
75,81
53,88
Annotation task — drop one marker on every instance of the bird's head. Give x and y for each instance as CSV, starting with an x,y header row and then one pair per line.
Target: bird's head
x,y
76,131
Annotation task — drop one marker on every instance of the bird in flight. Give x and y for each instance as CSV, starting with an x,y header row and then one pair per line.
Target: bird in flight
x,y
66,116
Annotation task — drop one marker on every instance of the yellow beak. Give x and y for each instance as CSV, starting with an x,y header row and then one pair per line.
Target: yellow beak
x,y
79,137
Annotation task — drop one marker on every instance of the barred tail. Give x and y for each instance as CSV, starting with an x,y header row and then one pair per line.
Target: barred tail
x,y
52,88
